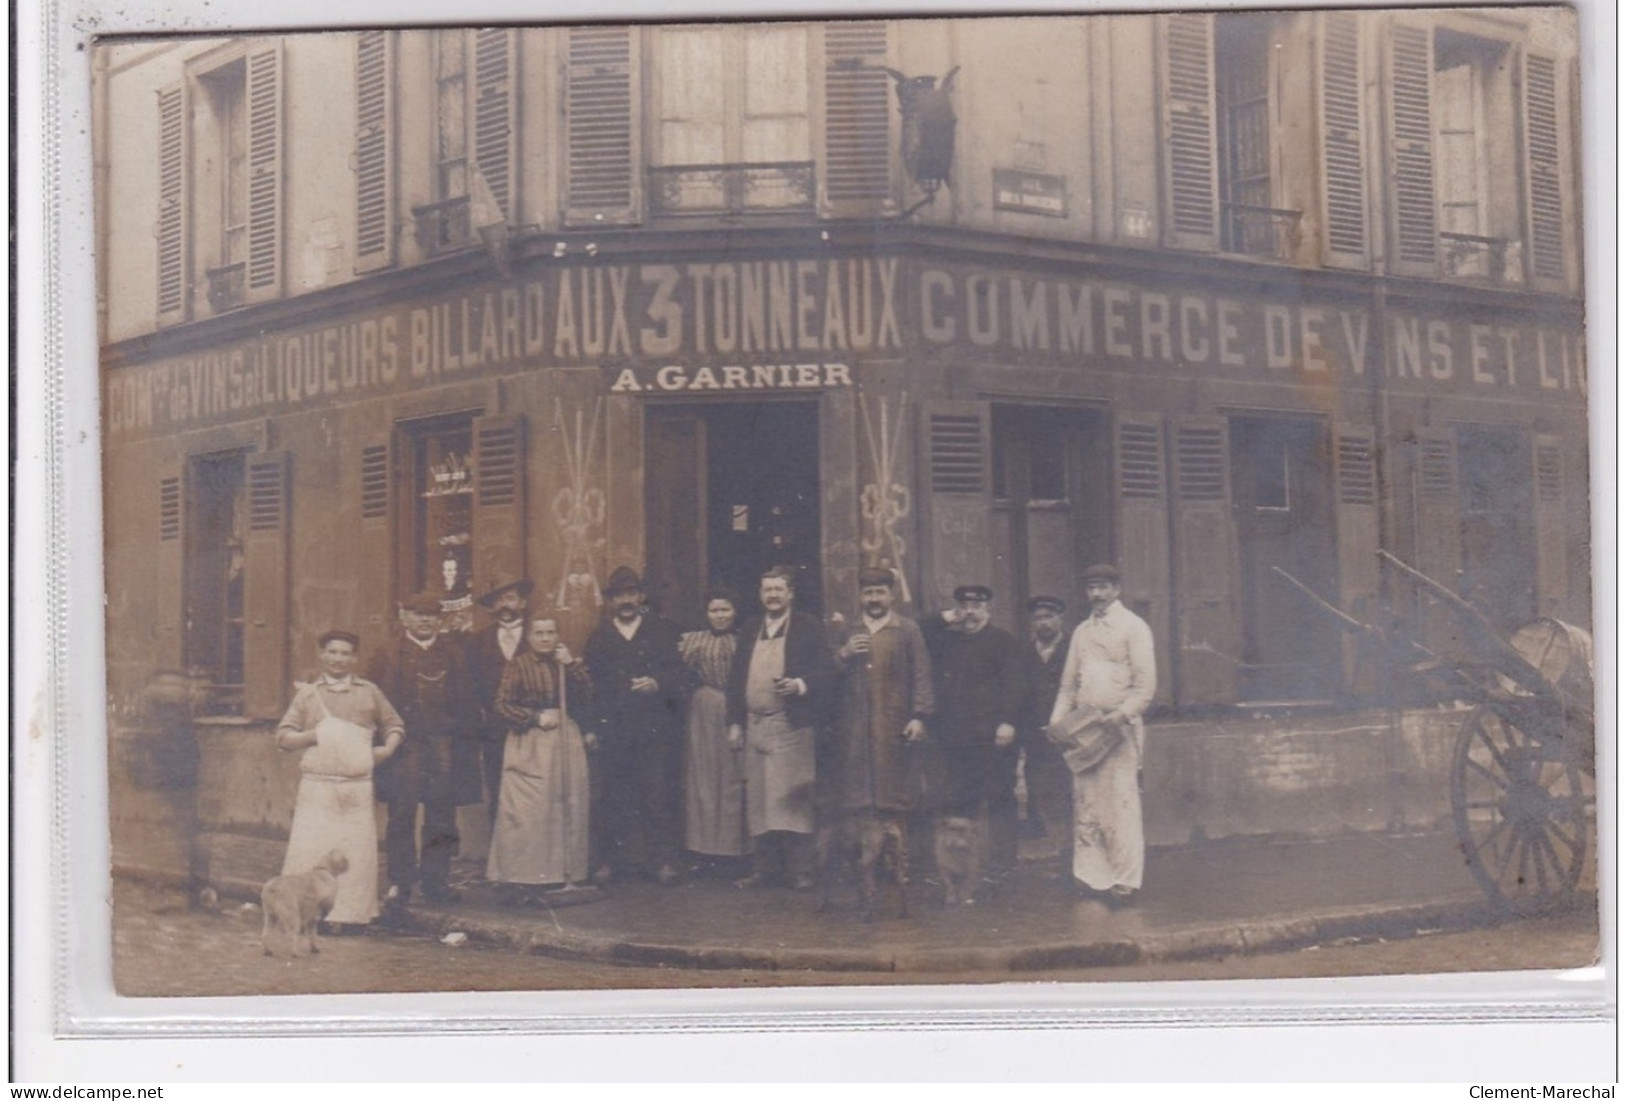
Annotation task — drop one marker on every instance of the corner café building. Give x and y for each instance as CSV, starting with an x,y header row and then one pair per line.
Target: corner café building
x,y
948,405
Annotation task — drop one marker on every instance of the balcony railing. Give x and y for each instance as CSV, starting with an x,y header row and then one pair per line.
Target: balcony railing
x,y
1483,259
443,226
228,286
1261,230
732,189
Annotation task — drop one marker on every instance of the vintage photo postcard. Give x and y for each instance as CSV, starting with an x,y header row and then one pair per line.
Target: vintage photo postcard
x,y
846,502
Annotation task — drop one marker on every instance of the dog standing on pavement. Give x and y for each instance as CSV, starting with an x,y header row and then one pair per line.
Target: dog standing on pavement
x,y
295,902
959,859
879,839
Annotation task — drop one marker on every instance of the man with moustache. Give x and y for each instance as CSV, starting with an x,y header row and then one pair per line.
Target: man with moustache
x,y
638,678
979,693
778,689
1111,666
885,699
437,767
489,651
1049,781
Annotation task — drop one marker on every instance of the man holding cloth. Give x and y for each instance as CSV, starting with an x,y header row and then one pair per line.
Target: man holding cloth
x,y
777,691
1112,667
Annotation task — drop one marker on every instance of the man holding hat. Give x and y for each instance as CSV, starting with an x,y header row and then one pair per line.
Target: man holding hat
x,y
885,699
424,675
638,679
979,694
1049,781
489,651
1111,666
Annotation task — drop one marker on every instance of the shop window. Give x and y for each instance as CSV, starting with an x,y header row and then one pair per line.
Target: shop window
x,y
474,146
217,519
733,130
439,551
218,227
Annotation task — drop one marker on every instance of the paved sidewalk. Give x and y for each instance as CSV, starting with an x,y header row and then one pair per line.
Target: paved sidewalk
x,y
1220,898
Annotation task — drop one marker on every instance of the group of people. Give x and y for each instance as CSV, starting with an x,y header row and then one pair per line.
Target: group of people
x,y
723,751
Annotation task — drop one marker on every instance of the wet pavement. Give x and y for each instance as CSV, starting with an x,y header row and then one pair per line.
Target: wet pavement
x,y
1207,902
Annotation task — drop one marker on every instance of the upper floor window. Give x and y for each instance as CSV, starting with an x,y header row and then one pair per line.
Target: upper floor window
x,y
1245,74
475,139
220,179
733,130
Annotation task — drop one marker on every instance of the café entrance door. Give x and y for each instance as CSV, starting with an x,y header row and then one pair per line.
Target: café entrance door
x,y
729,490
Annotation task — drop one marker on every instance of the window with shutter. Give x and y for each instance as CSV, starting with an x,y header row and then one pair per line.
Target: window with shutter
x,y
1544,192
1207,629
264,172
1358,537
603,154
1342,138
265,585
499,498
168,600
375,149
1552,529
173,216
857,120
955,442
475,138
1142,526
1248,107
375,541
1437,520
1411,132
1188,129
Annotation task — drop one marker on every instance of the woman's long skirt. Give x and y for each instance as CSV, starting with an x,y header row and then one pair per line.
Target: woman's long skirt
x,y
540,835
332,812
715,783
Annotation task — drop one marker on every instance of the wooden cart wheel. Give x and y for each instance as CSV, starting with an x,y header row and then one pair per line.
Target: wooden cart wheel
x,y
1522,814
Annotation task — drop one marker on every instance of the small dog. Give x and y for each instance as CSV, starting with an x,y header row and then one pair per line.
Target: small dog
x,y
294,903
959,859
879,841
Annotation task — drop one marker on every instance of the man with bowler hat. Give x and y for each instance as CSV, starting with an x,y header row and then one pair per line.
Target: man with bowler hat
x,y
489,651
425,676
979,696
1049,781
638,680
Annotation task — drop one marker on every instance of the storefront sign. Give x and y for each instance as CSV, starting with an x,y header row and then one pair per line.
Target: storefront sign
x,y
798,324
1029,192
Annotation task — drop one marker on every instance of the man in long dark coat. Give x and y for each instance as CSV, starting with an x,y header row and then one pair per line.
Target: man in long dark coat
x,y
979,700
1049,781
437,767
638,678
778,697
885,699
489,651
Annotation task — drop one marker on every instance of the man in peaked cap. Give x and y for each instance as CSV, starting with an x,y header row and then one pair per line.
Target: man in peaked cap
x,y
638,679
1111,666
423,673
979,694
489,651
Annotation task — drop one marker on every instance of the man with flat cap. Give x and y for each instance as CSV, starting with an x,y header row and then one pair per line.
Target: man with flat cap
x,y
438,766
979,695
489,651
1111,666
885,699
1049,781
638,679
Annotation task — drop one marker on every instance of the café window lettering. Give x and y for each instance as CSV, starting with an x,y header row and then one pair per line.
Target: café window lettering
x,y
440,547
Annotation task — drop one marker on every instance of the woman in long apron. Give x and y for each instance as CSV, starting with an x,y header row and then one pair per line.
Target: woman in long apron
x,y
336,722
540,837
714,774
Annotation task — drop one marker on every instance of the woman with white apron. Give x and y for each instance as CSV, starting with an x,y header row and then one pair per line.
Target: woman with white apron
x,y
336,722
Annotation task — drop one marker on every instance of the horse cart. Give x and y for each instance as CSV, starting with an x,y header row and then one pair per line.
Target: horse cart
x,y
1523,772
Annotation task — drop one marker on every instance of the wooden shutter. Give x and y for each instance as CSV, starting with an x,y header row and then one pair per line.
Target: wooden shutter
x,y
604,158
1438,519
265,172
168,564
1141,477
955,440
1551,527
374,541
1358,533
265,586
375,150
1342,139
173,219
856,169
1411,134
496,133
1190,163
1543,191
499,498
1207,632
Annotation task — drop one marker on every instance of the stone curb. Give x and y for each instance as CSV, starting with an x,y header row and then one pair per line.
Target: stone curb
x,y
1225,938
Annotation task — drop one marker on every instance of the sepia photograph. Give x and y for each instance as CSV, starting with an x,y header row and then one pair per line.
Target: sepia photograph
x,y
846,502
